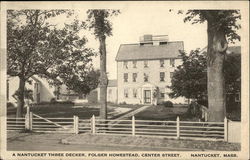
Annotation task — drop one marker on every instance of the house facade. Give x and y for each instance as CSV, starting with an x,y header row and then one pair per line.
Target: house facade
x,y
42,91
144,70
94,96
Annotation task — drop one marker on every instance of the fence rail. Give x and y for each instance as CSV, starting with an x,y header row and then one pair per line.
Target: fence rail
x,y
15,124
173,129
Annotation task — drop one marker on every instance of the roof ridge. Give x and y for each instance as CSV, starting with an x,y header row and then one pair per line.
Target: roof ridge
x,y
139,43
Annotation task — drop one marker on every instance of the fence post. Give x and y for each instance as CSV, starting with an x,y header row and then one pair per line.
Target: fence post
x,y
31,121
93,124
225,129
76,124
27,121
178,127
206,116
28,109
133,125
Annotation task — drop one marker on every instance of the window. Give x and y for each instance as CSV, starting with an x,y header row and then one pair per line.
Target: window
x,y
134,64
125,64
145,77
172,62
162,92
162,76
36,87
145,64
110,91
162,95
135,93
126,93
134,77
162,63
125,76
171,74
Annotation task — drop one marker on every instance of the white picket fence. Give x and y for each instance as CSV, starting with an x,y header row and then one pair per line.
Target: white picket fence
x,y
217,131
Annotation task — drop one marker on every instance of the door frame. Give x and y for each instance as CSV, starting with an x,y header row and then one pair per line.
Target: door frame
x,y
147,98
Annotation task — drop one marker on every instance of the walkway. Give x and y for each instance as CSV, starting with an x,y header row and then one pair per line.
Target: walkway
x,y
130,114
53,142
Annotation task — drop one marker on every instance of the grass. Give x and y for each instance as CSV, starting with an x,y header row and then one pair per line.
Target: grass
x,y
160,112
133,106
68,110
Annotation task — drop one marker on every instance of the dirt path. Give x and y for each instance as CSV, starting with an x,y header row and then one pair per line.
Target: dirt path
x,y
52,142
132,113
84,142
164,144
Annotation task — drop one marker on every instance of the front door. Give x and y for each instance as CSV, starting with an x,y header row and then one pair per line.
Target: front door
x,y
147,96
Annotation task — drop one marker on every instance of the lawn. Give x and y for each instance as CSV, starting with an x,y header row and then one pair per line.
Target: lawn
x,y
66,111
160,112
83,111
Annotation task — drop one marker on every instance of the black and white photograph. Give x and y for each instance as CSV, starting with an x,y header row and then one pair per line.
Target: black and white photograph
x,y
125,80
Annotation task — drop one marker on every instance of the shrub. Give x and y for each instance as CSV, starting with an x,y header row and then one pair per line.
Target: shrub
x,y
10,105
168,104
194,110
53,100
123,103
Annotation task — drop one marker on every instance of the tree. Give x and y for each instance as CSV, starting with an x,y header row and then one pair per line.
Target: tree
x,y
221,29
190,79
35,46
83,83
102,27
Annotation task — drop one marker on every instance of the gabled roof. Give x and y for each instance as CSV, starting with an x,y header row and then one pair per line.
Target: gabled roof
x,y
147,52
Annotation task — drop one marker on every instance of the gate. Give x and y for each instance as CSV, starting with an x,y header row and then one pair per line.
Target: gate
x,y
41,124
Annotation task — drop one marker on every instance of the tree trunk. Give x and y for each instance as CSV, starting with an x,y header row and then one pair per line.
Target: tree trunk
x,y
20,96
103,78
217,46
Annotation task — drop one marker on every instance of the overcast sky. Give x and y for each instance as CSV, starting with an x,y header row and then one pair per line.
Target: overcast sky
x,y
137,20
131,24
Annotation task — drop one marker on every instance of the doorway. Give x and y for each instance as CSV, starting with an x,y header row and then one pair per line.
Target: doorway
x,y
147,96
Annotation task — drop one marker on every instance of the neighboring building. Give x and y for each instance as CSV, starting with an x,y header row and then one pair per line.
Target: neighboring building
x,y
66,94
111,91
94,96
146,67
40,87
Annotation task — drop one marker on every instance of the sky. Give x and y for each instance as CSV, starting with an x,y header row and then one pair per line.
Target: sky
x,y
135,21
131,24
